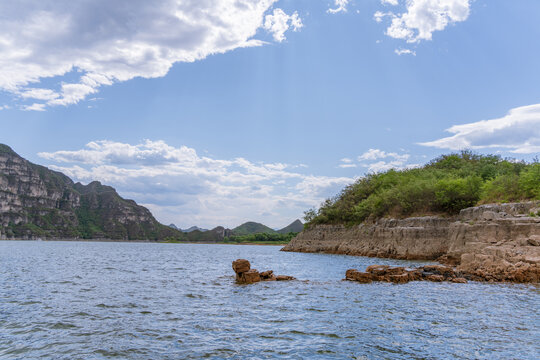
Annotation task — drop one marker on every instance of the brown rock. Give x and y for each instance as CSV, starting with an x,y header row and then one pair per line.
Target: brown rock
x,y
248,277
395,270
415,275
267,275
377,269
435,278
361,277
284,278
241,266
439,270
399,279
459,280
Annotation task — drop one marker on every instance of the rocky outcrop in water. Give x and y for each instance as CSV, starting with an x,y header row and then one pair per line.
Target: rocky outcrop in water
x,y
246,275
496,242
36,202
401,275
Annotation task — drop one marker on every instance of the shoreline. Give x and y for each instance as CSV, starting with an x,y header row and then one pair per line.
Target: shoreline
x,y
493,242
146,241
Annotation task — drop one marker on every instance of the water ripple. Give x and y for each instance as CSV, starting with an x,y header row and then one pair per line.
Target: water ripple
x,y
79,300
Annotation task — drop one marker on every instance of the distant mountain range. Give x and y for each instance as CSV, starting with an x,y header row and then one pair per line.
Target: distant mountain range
x,y
195,233
193,228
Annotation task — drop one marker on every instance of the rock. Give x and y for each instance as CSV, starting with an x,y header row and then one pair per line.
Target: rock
x,y
439,270
399,279
284,278
249,277
534,240
400,275
435,278
241,266
361,277
246,275
377,269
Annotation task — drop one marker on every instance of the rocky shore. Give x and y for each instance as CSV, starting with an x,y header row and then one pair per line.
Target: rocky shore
x,y
495,242
401,275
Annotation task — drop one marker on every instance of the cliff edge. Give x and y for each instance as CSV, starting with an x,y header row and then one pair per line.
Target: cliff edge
x,y
36,202
498,242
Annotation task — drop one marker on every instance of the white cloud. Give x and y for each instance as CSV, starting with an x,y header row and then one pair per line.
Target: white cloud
x,y
517,132
379,15
374,154
279,22
182,187
57,52
390,2
4,107
402,51
345,166
423,17
340,6
376,160
33,107
346,160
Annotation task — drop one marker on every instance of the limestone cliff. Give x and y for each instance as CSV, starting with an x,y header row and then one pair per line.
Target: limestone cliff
x,y
489,242
36,202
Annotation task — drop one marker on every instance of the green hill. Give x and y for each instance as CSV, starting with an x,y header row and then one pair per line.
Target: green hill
x,y
251,227
443,186
294,227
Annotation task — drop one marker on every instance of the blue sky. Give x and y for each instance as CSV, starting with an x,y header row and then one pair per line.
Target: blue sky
x,y
218,112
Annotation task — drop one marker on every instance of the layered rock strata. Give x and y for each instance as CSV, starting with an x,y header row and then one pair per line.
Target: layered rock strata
x,y
246,275
498,242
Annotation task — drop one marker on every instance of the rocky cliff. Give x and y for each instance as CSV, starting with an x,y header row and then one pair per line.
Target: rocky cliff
x,y
488,242
36,202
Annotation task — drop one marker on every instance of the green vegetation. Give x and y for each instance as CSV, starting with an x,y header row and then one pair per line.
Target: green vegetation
x,y
260,238
444,186
252,228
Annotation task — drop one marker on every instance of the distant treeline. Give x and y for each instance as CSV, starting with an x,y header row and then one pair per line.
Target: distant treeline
x,y
261,238
444,186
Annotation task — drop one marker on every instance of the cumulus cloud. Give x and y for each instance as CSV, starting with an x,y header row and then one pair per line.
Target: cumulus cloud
x,y
58,52
389,2
423,17
374,154
279,22
182,187
376,160
340,6
517,132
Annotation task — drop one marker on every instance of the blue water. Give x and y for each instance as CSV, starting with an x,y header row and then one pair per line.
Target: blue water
x,y
91,300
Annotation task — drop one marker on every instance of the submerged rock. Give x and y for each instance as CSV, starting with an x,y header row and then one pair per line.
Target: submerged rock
x,y
400,275
246,275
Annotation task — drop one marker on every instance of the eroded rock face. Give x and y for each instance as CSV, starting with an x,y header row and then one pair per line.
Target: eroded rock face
x,y
246,275
400,275
36,202
489,242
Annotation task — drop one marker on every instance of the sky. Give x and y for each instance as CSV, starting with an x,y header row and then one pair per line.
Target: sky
x,y
217,112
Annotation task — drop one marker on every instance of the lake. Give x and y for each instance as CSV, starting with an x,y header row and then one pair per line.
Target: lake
x,y
102,300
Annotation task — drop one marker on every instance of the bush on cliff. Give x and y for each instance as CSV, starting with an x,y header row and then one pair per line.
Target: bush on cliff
x,y
443,186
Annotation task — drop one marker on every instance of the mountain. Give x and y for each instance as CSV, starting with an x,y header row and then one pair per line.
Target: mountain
x,y
251,227
173,226
193,228
294,227
217,234
38,202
